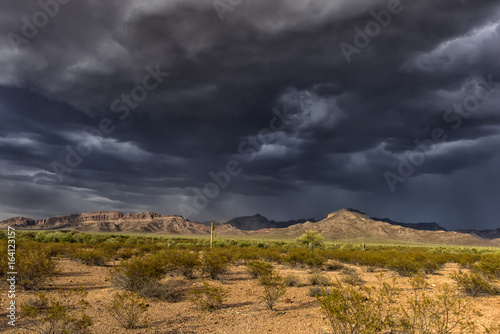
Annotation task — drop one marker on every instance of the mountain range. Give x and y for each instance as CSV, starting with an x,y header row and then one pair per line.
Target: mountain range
x,y
341,224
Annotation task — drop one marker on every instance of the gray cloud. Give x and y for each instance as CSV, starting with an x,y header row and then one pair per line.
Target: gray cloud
x,y
349,123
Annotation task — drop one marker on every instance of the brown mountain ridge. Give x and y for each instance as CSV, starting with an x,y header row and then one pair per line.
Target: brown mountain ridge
x,y
341,224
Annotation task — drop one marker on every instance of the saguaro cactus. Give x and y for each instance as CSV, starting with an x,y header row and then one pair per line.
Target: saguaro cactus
x,y
212,235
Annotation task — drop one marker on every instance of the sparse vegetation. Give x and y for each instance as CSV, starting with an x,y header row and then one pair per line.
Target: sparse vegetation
x,y
292,280
214,264
170,292
91,257
208,297
142,264
474,283
137,273
62,313
317,278
273,289
351,276
187,262
34,266
370,310
259,268
128,310
333,265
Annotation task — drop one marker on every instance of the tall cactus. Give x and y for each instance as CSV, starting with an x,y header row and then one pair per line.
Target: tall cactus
x,y
212,235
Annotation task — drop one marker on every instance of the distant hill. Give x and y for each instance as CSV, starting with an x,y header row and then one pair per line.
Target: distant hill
x,y
341,224
255,222
353,224
416,226
485,234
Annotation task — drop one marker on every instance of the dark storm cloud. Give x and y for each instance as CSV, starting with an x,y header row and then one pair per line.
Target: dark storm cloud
x,y
348,124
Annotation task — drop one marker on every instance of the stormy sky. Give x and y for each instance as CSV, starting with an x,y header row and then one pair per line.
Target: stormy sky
x,y
215,109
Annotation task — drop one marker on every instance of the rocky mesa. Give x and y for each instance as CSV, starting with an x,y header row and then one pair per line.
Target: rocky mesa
x,y
112,221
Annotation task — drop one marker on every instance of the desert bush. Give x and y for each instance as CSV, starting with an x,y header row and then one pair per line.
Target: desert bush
x,y
405,267
333,265
135,273
351,276
318,291
259,268
474,283
292,280
186,262
170,292
358,310
128,310
34,266
208,297
311,239
62,313
91,257
214,264
446,312
488,265
304,257
126,253
317,278
376,310
274,288
271,255
370,269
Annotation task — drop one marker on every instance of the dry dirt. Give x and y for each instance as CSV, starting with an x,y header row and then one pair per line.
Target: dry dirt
x,y
242,313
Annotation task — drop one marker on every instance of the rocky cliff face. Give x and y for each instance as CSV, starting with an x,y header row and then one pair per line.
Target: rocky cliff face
x,y
18,222
111,221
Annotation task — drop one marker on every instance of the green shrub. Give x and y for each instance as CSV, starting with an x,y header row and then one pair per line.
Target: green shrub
x,y
304,257
91,257
446,312
208,297
259,268
186,262
352,310
135,273
63,312
489,265
406,266
474,284
274,288
214,264
311,239
128,310
34,266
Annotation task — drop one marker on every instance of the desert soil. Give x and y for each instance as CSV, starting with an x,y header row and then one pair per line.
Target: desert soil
x,y
243,312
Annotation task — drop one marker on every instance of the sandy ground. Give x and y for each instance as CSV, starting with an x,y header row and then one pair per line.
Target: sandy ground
x,y
242,313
